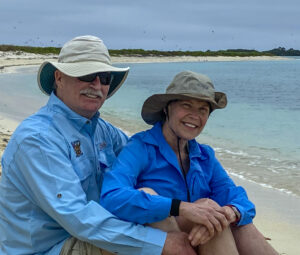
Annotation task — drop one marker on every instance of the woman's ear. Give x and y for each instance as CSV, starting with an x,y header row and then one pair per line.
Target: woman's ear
x,y
166,112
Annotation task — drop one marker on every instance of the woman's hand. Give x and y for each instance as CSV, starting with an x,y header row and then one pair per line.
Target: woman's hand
x,y
199,235
205,212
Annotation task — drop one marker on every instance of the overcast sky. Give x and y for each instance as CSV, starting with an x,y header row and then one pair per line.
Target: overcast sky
x,y
154,24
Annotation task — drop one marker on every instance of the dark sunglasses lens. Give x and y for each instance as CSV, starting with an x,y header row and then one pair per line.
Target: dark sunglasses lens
x,y
105,77
88,78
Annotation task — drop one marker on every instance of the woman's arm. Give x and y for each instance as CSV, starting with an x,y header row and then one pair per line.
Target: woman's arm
x,y
119,194
225,192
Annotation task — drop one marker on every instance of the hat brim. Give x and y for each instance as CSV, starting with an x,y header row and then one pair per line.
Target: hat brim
x,y
45,77
152,110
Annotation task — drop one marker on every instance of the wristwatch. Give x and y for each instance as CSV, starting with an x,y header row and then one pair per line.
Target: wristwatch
x,y
236,211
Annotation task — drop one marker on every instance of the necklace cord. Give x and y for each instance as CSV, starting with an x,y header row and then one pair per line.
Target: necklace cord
x,y
183,172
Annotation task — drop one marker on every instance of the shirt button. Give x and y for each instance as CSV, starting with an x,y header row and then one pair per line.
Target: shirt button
x,y
59,195
87,122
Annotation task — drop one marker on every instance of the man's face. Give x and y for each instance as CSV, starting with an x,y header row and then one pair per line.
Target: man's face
x,y
84,98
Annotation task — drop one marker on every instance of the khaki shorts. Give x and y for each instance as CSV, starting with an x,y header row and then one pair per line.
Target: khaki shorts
x,y
73,246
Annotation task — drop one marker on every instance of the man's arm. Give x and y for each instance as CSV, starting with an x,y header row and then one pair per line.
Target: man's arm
x,y
53,185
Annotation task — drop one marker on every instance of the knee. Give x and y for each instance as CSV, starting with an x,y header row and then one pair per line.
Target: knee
x,y
208,201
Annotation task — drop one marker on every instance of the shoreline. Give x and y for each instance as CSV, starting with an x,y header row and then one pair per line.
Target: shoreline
x,y
276,218
7,127
11,59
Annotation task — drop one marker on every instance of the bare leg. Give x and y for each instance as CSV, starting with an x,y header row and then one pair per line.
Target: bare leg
x,y
222,244
168,225
250,241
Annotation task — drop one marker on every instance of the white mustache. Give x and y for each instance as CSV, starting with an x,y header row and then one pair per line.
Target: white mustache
x,y
92,92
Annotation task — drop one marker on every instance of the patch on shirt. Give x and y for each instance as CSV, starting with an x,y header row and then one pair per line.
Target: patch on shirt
x,y
102,145
76,147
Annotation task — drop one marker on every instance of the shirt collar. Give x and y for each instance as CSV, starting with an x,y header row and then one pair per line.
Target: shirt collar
x,y
195,150
155,137
79,121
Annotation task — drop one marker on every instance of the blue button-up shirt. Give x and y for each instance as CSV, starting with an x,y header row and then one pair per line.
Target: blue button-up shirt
x,y
51,182
149,161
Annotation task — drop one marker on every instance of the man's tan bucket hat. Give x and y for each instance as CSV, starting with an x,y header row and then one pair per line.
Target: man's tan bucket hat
x,y
81,56
185,85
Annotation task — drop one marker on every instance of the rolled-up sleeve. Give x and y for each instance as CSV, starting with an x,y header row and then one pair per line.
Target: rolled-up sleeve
x,y
224,191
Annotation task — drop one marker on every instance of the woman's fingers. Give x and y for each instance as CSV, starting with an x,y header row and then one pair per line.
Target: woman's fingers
x,y
205,212
199,235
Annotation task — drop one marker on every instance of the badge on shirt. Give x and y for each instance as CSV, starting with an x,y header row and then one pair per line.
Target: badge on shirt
x,y
76,147
102,145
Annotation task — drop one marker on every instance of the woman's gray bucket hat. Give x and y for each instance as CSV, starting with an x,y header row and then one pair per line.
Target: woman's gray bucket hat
x,y
81,56
185,85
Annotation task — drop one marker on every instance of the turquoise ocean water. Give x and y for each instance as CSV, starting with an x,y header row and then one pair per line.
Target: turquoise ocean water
x,y
256,137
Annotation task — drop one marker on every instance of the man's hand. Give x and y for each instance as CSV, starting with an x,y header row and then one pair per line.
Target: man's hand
x,y
205,212
177,243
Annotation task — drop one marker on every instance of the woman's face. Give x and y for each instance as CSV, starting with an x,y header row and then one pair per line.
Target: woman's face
x,y
186,119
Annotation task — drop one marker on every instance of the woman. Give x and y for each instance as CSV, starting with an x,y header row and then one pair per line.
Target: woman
x,y
183,177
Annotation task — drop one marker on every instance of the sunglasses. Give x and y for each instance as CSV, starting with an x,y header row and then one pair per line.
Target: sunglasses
x,y
105,78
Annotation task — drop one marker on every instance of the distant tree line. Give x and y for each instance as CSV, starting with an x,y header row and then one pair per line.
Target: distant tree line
x,y
229,53
280,51
30,49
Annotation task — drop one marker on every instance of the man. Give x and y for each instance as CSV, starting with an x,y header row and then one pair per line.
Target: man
x,y
53,166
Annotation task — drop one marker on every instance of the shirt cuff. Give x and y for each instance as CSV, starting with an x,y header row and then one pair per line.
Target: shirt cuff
x,y
175,207
154,242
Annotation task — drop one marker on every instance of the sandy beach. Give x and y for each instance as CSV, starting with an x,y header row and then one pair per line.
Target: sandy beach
x,y
278,214
11,59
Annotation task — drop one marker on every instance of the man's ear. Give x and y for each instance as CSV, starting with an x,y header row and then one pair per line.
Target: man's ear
x,y
57,76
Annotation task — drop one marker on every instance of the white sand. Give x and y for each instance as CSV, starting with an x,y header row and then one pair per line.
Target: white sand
x,y
7,126
10,59
278,216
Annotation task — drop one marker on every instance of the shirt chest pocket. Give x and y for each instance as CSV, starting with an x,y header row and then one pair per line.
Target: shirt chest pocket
x,y
84,169
199,186
106,158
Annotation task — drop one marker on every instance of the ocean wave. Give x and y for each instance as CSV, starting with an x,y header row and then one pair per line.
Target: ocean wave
x,y
265,185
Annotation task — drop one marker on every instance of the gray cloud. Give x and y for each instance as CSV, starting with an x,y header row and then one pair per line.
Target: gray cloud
x,y
163,25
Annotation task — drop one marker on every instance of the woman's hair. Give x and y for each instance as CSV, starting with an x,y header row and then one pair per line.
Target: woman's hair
x,y
165,111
